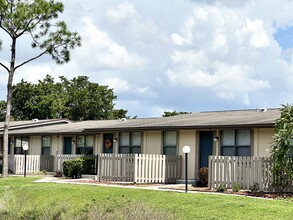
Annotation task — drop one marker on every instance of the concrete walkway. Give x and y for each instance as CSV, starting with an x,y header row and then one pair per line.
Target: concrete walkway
x,y
179,188
85,181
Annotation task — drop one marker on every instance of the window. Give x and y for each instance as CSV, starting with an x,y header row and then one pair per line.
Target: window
x,y
46,145
130,143
235,143
170,142
84,144
19,142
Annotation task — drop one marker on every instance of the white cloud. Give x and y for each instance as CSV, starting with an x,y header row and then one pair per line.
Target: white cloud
x,y
221,53
254,33
222,50
103,52
177,39
120,85
122,11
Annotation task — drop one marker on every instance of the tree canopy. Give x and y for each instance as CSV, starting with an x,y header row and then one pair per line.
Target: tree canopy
x,y
75,99
37,20
282,149
174,113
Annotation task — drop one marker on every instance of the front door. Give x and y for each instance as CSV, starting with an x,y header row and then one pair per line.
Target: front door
x,y
205,147
67,145
108,143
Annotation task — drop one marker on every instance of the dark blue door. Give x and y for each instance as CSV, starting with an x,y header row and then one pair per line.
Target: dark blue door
x,y
67,145
205,147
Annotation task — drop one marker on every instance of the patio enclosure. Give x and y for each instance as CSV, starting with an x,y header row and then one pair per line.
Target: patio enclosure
x,y
138,168
245,171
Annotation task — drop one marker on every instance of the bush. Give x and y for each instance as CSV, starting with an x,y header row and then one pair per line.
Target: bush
x,y
235,187
222,188
73,168
203,175
88,165
254,188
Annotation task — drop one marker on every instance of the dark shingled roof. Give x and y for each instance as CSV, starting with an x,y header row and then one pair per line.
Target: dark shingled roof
x,y
264,118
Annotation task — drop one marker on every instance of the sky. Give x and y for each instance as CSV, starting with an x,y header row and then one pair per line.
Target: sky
x,y
183,55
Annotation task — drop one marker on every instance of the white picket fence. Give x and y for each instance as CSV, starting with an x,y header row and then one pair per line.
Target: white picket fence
x,y
245,171
34,163
139,168
151,168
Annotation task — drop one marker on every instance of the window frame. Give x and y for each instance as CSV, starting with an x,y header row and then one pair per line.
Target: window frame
x,y
236,147
85,148
22,142
172,146
46,147
130,148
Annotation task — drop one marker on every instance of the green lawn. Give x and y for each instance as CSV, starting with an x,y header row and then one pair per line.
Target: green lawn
x,y
21,198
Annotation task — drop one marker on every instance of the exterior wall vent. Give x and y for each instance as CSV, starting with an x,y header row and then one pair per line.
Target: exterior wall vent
x,y
262,110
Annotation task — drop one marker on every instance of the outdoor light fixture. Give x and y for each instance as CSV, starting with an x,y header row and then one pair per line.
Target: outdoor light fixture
x,y
216,139
25,148
115,140
186,150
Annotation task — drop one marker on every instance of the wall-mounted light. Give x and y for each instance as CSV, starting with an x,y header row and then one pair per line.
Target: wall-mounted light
x,y
73,142
216,139
115,140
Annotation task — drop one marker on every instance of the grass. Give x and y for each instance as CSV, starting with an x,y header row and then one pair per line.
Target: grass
x,y
21,198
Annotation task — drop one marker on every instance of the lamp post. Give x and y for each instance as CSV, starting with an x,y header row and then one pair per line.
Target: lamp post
x,y
186,150
25,148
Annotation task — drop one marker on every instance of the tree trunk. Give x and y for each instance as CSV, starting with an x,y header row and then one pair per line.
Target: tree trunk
x,y
8,109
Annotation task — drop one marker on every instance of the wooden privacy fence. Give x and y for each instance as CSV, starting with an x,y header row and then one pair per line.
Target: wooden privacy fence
x,y
245,171
139,168
116,167
34,163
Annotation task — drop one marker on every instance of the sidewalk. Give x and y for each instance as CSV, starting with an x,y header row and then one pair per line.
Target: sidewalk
x,y
180,188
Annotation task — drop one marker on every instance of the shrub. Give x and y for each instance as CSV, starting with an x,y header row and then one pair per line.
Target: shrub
x,y
88,165
235,187
254,187
203,175
222,188
73,168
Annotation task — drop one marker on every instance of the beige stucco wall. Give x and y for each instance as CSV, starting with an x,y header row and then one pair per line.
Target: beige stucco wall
x,y
188,137
152,142
35,145
262,141
56,144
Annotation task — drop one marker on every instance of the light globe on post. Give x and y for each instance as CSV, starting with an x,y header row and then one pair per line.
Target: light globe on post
x,y
25,148
186,151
